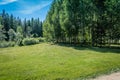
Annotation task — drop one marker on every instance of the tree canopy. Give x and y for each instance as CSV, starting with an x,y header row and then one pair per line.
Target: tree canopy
x,y
91,22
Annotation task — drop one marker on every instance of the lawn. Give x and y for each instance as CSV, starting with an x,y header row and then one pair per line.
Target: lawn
x,y
56,62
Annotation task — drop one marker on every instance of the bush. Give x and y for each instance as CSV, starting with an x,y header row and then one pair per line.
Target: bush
x,y
30,41
11,34
6,44
41,39
18,39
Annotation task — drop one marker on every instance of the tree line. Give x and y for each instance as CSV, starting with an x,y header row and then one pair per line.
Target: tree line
x,y
85,22
14,29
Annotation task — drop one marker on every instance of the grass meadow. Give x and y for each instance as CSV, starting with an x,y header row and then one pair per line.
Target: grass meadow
x,y
56,62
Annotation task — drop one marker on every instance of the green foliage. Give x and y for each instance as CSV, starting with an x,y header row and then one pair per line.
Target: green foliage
x,y
42,39
12,34
32,27
19,29
5,44
66,19
92,22
14,29
30,41
2,35
18,39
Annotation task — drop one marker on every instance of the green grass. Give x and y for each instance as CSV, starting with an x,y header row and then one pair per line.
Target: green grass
x,y
55,62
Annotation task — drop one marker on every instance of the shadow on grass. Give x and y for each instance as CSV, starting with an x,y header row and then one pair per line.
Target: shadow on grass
x,y
97,49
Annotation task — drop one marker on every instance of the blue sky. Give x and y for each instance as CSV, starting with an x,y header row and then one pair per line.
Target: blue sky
x,y
26,8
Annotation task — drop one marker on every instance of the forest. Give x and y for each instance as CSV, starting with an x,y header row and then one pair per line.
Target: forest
x,y
83,22
14,31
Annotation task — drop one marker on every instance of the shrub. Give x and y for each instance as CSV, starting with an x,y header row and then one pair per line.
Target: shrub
x,y
30,41
18,39
41,39
4,44
11,34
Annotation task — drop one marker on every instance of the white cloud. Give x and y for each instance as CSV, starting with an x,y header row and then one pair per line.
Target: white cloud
x,y
31,9
3,2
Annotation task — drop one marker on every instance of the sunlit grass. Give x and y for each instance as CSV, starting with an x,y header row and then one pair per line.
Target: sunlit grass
x,y
54,62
